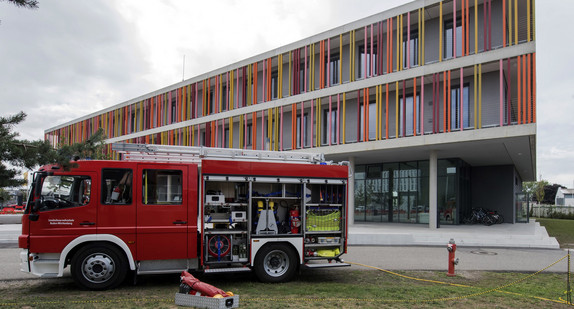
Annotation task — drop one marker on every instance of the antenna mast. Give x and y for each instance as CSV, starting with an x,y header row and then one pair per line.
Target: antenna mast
x,y
183,69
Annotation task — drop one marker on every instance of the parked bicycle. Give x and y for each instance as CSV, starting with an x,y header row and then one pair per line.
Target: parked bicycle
x,y
484,216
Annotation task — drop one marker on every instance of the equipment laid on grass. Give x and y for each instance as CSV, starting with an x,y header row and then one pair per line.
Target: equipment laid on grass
x,y
198,294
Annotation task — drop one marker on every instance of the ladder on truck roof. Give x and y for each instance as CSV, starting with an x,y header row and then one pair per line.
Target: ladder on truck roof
x,y
168,153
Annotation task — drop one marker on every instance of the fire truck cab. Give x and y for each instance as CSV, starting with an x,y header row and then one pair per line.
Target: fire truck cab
x,y
165,209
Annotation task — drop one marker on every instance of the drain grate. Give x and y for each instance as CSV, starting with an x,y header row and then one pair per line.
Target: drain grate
x,y
483,252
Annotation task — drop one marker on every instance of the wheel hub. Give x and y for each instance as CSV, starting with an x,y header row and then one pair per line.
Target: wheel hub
x,y
276,263
98,268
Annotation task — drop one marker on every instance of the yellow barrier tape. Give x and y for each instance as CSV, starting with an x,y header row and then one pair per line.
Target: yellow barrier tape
x,y
55,302
310,299
497,289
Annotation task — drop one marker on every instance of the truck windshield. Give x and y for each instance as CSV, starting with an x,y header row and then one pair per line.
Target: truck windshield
x,y
64,192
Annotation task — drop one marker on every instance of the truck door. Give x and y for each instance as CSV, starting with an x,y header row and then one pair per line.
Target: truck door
x,y
117,210
162,214
66,211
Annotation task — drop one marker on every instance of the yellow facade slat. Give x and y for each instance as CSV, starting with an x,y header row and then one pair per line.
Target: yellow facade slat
x,y
476,26
528,20
533,26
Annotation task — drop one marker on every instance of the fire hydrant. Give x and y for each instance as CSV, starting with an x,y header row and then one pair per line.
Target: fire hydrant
x,y
452,261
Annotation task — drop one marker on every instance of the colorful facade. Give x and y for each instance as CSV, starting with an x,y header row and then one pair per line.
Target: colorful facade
x,y
427,85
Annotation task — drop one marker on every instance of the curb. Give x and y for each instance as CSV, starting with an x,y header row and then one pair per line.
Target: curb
x,y
10,219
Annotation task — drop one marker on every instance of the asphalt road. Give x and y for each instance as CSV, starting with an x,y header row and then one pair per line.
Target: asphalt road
x,y
394,258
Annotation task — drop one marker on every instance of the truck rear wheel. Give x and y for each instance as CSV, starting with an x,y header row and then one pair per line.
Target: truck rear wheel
x,y
275,263
99,267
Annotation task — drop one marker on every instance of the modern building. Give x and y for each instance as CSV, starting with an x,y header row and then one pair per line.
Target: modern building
x,y
564,197
432,102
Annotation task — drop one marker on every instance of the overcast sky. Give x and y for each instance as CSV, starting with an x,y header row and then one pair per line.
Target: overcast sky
x,y
68,58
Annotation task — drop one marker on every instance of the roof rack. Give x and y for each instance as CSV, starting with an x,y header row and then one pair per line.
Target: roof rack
x,y
168,153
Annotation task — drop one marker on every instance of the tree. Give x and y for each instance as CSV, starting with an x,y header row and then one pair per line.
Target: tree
x,y
539,190
29,4
550,193
535,189
16,153
4,196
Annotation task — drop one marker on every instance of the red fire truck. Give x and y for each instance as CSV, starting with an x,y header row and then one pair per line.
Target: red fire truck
x,y
165,209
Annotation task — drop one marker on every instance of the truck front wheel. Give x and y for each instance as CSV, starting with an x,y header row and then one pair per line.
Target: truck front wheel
x,y
99,267
275,263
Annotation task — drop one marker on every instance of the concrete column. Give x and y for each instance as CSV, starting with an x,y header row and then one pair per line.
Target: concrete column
x,y
433,207
351,192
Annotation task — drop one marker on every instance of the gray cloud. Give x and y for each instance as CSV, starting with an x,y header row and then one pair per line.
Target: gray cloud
x,y
65,60
71,58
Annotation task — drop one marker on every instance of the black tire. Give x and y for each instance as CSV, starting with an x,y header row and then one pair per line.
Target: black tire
x,y
99,267
275,263
488,220
500,219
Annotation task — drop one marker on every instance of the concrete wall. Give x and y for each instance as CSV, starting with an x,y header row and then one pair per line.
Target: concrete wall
x,y
492,187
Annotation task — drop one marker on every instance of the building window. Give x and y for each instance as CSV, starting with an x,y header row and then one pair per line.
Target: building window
x,y
274,84
117,186
333,71
332,133
392,192
372,130
407,115
211,103
65,191
133,122
248,135
225,138
414,49
224,96
269,135
173,111
371,61
301,78
449,39
163,187
455,107
303,131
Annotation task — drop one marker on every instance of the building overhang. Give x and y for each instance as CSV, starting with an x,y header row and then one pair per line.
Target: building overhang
x,y
509,145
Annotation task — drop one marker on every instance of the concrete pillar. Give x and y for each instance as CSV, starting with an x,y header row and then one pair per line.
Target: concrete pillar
x,y
351,192
433,206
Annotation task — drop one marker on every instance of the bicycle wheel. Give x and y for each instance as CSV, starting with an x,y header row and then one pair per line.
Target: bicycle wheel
x,y
488,220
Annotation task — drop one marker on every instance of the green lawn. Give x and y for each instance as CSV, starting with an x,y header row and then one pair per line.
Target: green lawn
x,y
349,288
562,229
